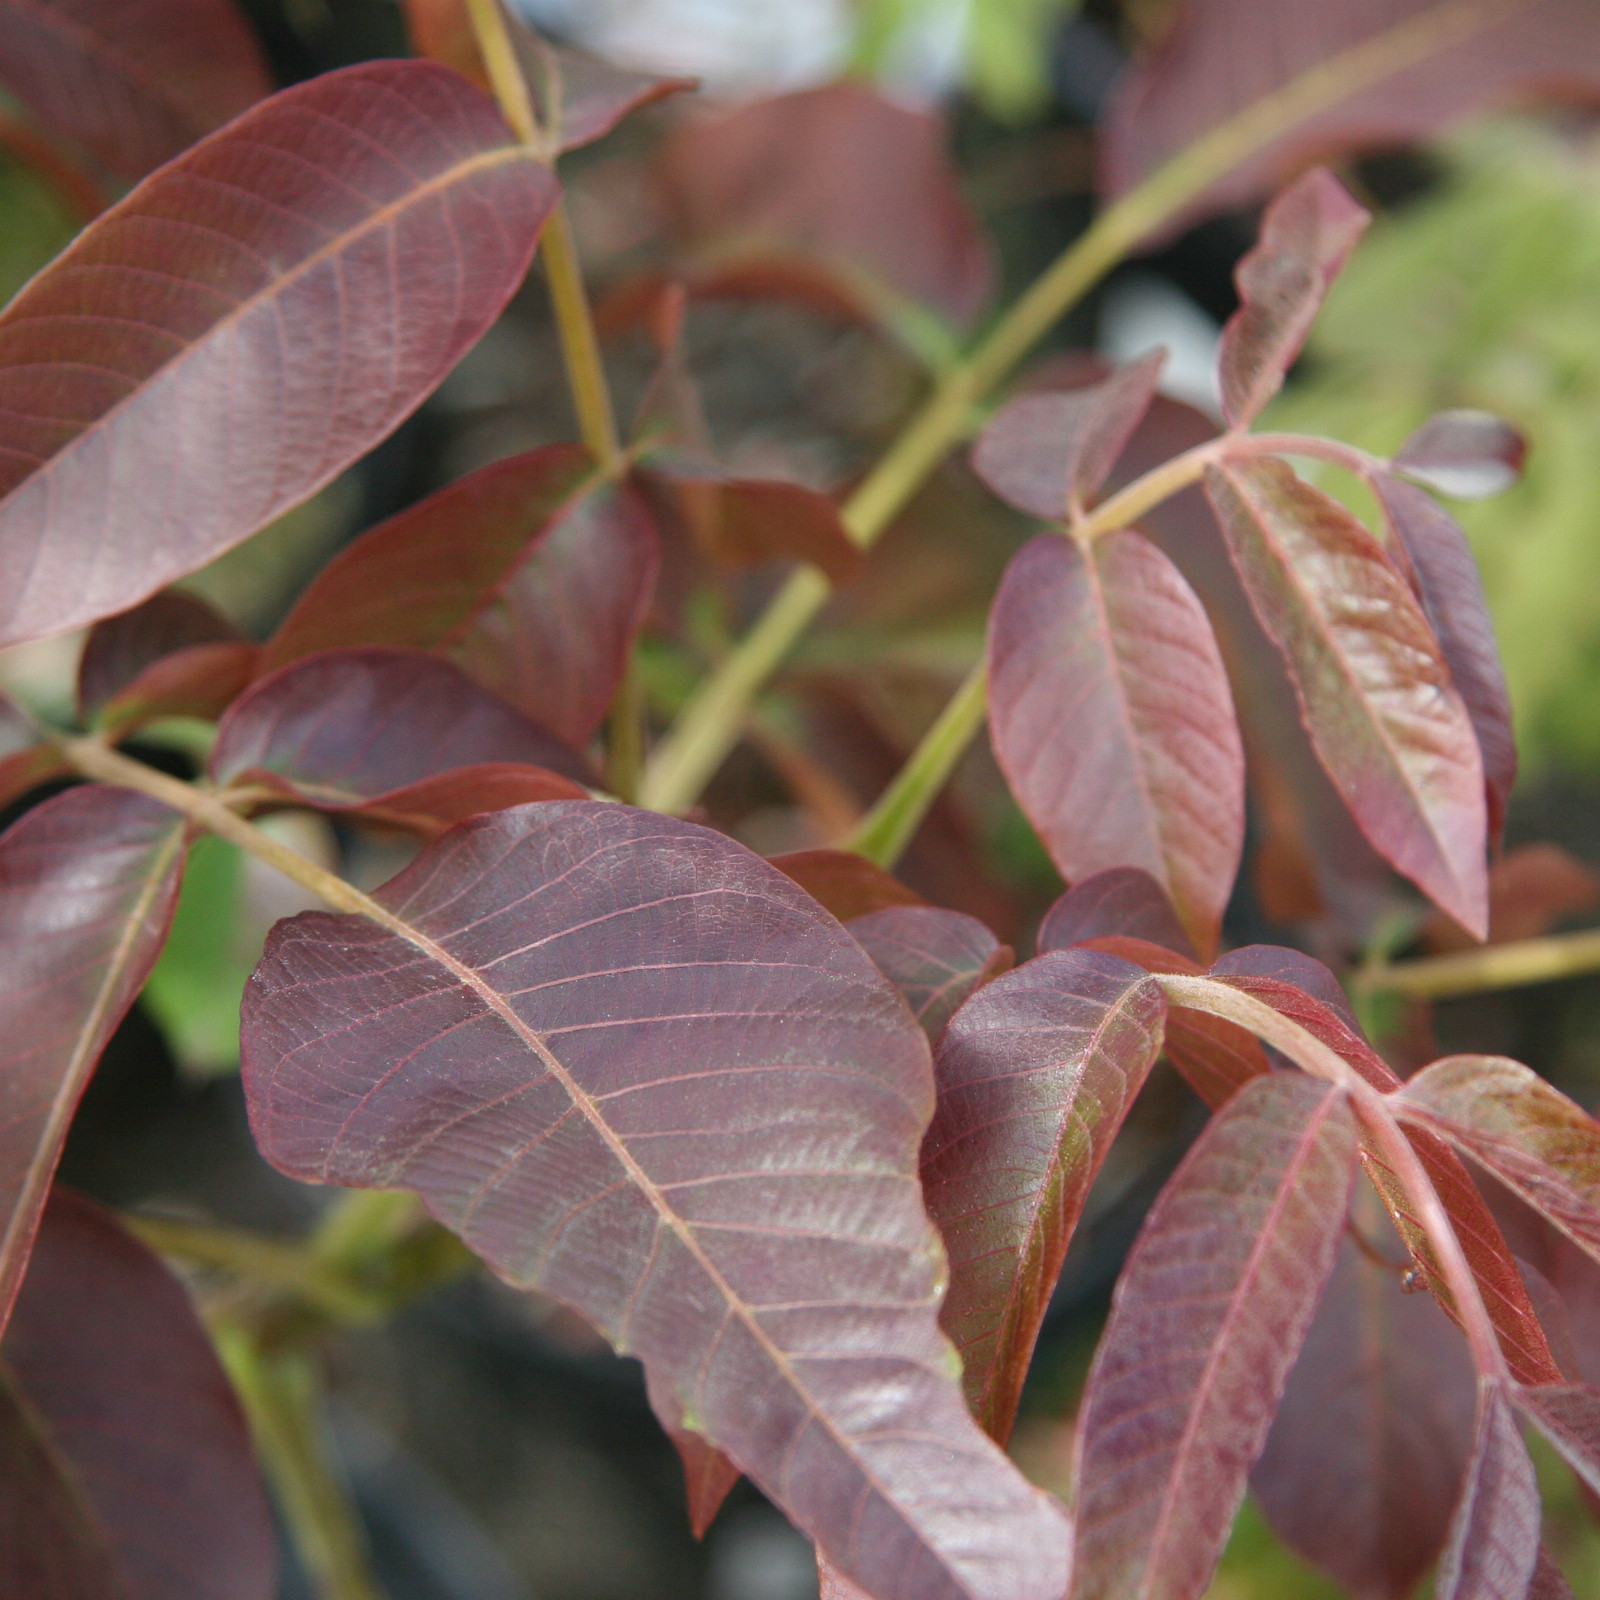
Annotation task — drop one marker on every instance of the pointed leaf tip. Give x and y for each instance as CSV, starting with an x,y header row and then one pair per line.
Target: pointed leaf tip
x,y
1468,455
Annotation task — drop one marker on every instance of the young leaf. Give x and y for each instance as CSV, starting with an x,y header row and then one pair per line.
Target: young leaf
x,y
784,178
1049,454
533,573
1306,236
1035,1075
1429,542
935,958
635,1067
1113,721
1120,900
1494,1544
134,83
1370,1446
128,1468
1374,691
1207,1320
368,728
1389,72
88,882
1526,1132
1568,1415
1468,455
269,305
844,883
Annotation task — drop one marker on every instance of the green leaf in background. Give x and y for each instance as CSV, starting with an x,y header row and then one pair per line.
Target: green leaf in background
x,y
35,224
1484,294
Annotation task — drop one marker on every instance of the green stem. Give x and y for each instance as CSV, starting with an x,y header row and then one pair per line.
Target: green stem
x,y
1496,966
281,1392
710,724
505,75
883,834
580,346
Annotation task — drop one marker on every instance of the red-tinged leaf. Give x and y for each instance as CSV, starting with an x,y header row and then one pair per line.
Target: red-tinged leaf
x,y
271,304
129,1473
935,958
1305,973
1568,1415
1549,1583
1468,455
1370,1447
708,1475
1445,577
133,81
88,884
1035,1075
1539,1143
369,728
784,177
1120,900
1374,692
201,681
25,759
1391,72
636,1068
1306,236
119,648
1494,1544
833,1585
1532,888
1206,1322
596,96
1112,719
739,522
431,806
1049,454
844,883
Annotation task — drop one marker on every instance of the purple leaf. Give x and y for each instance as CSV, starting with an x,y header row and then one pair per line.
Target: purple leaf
x,y
1568,1415
88,883
133,81
1494,1544
1391,72
1445,577
1539,1143
1306,236
25,759
243,309
365,728
1207,1320
1113,722
1374,691
636,1068
1297,969
1049,454
1370,1446
1548,1581
1468,455
844,883
1120,900
533,573
1035,1074
708,1475
934,958
128,1469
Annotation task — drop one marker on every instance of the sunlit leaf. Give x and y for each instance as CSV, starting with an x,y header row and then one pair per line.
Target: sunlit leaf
x,y
244,310
1206,1322
1375,694
1035,1073
634,1066
935,958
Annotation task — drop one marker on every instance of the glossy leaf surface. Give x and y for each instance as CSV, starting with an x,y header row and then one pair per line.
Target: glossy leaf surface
x,y
1120,900
1206,1322
133,81
1469,455
935,958
244,309
390,732
129,1471
1367,1454
1374,691
88,882
1494,1544
1112,719
848,885
1306,235
1529,1134
532,573
1445,576
1035,1073
1393,71
1049,454
569,1039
